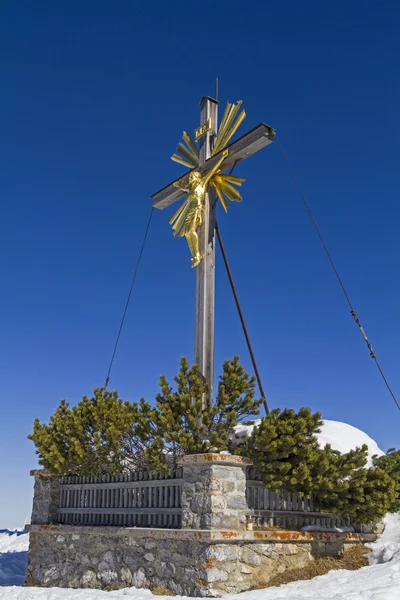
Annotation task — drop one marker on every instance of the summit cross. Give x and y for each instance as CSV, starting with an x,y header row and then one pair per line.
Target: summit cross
x,y
205,184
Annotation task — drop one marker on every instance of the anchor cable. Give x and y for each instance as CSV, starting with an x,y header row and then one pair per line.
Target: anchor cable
x,y
246,334
352,311
128,300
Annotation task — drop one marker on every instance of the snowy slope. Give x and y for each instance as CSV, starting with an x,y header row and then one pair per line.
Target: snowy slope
x,y
13,556
380,581
341,436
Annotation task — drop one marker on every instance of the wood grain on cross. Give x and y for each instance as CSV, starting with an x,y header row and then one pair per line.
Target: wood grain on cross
x,y
245,146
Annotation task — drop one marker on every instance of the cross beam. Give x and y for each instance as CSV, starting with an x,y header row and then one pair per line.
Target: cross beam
x,y
245,146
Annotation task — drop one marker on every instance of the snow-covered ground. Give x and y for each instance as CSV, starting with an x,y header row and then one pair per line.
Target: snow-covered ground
x,y
380,581
13,556
341,436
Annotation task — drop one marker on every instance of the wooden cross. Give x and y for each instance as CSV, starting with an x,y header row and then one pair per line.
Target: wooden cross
x,y
245,146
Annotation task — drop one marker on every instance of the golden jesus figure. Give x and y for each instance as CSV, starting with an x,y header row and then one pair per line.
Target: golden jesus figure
x,y
190,215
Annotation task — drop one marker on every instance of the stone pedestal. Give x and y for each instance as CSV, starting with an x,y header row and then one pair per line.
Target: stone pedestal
x,y
214,491
46,498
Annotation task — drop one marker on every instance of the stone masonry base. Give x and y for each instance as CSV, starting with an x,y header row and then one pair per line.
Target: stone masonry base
x,y
190,562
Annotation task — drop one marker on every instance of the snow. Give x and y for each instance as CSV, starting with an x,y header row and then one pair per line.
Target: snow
x,y
345,437
387,548
328,529
341,436
13,556
379,581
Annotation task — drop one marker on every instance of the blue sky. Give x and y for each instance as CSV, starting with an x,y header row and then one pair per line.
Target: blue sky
x,y
93,101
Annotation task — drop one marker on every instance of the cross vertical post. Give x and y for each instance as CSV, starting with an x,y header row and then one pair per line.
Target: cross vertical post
x,y
205,272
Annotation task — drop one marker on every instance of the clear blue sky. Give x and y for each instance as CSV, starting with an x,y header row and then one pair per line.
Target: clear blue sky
x,y
94,97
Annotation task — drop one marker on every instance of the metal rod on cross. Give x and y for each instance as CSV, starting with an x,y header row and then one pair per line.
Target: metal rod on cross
x,y
241,317
205,183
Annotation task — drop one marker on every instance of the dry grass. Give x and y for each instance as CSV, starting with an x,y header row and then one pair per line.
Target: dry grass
x,y
270,528
351,560
161,590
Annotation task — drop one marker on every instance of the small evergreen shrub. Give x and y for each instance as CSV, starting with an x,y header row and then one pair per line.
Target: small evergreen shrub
x,y
285,449
104,434
390,463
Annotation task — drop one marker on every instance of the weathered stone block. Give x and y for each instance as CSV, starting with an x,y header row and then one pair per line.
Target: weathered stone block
x,y
224,553
126,576
139,578
149,557
213,575
250,557
236,501
218,499
228,486
88,579
46,497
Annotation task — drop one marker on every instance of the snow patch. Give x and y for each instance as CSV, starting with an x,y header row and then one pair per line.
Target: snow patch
x,y
328,529
13,556
341,436
387,547
345,437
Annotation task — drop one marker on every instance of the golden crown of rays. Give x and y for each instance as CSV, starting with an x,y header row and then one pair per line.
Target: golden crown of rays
x,y
188,155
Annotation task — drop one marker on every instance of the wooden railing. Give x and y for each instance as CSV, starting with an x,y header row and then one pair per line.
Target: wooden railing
x,y
283,509
144,499
138,499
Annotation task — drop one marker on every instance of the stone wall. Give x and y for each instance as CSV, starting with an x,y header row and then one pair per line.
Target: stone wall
x,y
195,563
212,554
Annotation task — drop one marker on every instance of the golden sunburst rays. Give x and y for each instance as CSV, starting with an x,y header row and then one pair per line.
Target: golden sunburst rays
x,y
230,123
179,218
188,155
223,186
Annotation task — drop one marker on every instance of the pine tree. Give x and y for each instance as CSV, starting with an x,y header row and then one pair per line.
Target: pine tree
x,y
284,448
89,438
181,424
344,486
178,419
390,463
235,401
332,473
368,497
